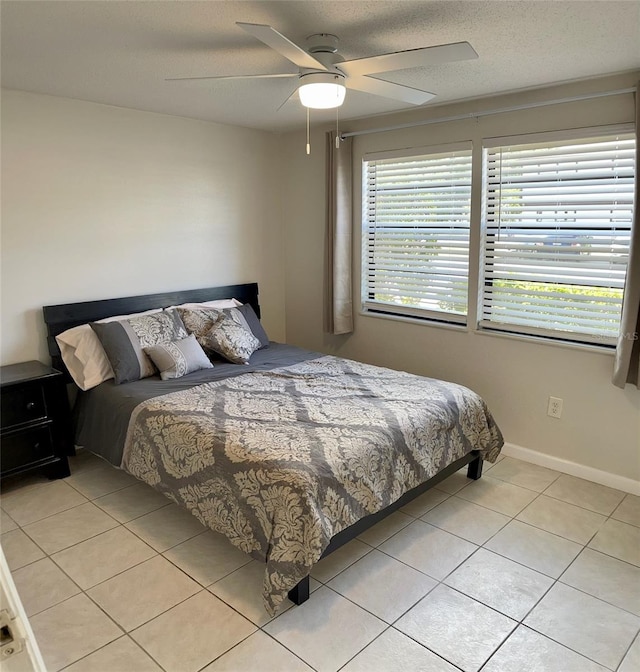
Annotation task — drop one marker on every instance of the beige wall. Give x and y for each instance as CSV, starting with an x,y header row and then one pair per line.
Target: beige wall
x,y
101,202
600,426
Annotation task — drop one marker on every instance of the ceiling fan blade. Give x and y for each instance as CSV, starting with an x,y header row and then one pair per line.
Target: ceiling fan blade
x,y
293,95
412,58
283,45
389,90
277,76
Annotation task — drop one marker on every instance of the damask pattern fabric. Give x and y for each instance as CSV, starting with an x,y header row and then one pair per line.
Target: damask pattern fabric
x,y
178,358
248,314
282,460
199,321
231,340
124,342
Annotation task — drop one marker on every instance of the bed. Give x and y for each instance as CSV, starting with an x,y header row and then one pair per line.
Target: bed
x,y
291,455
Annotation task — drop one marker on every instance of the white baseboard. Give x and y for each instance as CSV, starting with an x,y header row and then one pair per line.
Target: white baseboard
x,y
573,468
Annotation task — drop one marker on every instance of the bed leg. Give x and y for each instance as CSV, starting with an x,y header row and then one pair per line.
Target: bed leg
x,y
474,469
300,592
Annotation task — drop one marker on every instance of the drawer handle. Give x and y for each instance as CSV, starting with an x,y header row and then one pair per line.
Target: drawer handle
x,y
31,405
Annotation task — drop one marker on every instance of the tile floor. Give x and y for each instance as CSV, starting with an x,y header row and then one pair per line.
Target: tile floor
x,y
527,569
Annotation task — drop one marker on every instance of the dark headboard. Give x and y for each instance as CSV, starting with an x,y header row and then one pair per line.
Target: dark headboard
x,y
65,316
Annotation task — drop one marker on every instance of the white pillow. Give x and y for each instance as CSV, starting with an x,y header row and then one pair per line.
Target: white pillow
x,y
84,355
219,303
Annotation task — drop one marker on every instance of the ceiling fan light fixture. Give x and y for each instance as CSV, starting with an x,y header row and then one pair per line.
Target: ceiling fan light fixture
x,y
322,90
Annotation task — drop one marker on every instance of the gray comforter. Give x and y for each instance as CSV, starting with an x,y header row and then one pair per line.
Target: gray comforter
x,y
281,460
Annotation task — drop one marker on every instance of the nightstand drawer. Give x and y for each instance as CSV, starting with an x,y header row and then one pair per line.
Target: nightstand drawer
x,y
21,404
26,447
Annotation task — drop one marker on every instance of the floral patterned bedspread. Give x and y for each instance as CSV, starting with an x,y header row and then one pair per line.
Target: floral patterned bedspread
x,y
279,461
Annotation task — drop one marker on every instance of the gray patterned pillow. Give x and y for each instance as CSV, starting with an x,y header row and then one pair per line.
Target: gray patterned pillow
x,y
247,317
178,358
124,342
199,321
231,340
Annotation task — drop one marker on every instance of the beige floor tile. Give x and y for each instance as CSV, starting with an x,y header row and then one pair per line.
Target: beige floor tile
x,y
455,482
26,505
339,560
425,502
620,540
271,655
98,559
132,502
631,662
565,520
207,557
428,549
69,527
497,495
6,522
466,519
143,592
586,494
628,510
606,578
84,460
535,548
19,550
71,630
529,651
601,632
382,585
386,528
326,631
524,474
193,633
166,527
243,591
501,584
41,585
395,652
123,655
100,480
454,626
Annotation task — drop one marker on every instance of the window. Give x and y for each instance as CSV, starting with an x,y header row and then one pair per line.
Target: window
x,y
416,212
557,223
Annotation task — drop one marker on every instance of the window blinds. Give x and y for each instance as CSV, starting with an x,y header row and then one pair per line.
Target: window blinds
x,y
416,233
557,226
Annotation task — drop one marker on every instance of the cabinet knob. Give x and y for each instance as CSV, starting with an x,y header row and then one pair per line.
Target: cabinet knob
x,y
31,405
36,446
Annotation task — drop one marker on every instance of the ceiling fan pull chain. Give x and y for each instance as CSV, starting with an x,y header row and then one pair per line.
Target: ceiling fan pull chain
x,y
308,141
337,130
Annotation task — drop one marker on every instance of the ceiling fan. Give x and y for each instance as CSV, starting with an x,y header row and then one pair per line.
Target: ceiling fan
x,y
324,75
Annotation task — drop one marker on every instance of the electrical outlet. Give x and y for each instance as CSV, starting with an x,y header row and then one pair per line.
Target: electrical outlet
x,y
554,409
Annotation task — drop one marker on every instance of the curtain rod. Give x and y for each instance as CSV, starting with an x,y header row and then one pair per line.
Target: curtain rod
x,y
485,113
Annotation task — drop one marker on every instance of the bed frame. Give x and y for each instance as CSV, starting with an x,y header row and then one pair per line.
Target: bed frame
x,y
65,316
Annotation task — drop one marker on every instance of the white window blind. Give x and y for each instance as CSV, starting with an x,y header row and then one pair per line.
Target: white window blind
x,y
557,218
416,233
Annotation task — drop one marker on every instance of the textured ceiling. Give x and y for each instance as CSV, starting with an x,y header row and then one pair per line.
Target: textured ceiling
x,y
120,53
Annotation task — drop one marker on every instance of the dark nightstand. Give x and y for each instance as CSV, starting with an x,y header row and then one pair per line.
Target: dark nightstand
x,y
35,422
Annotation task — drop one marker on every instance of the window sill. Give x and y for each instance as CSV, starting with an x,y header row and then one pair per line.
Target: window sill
x,y
539,340
522,338
424,321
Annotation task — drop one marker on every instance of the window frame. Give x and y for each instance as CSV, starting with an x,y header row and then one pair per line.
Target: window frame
x,y
381,309
529,331
475,280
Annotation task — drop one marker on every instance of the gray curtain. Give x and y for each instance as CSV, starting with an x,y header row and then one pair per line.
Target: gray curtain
x,y
627,364
340,225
